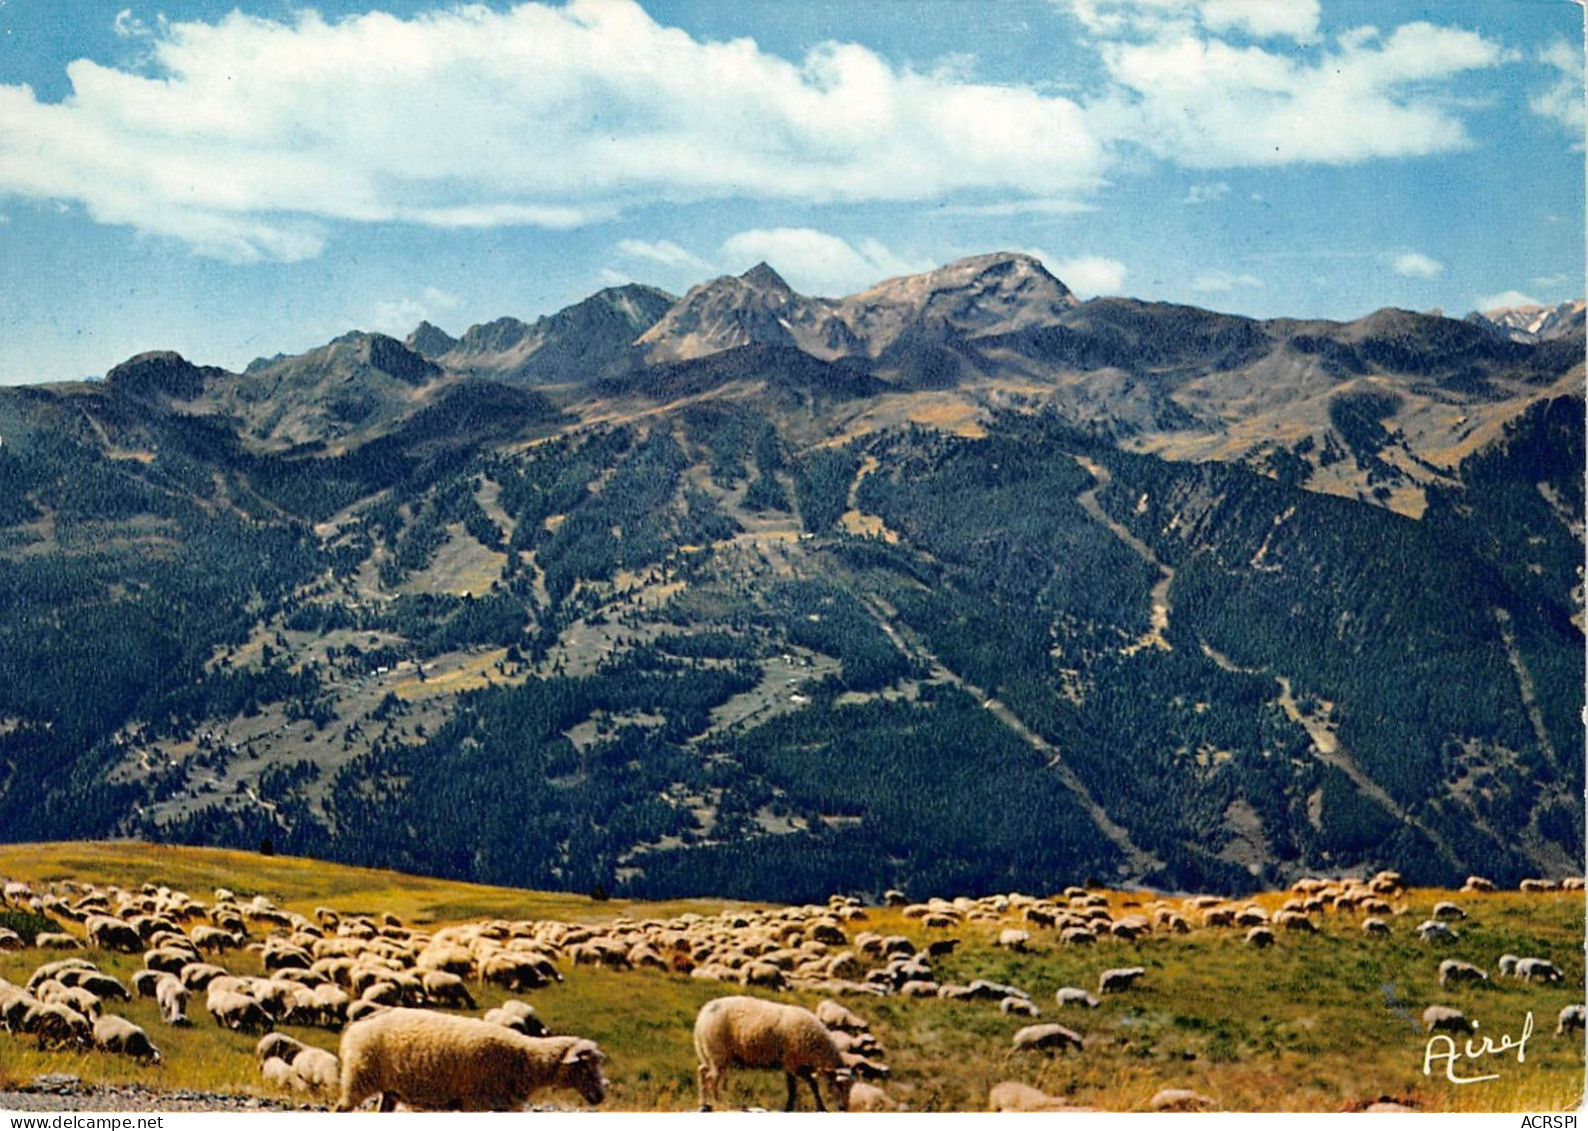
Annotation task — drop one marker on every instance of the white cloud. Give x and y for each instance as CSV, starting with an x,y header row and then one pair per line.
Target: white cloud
x,y
1206,194
1416,265
1548,281
1089,275
1563,101
1204,102
1037,206
1219,282
398,317
816,262
665,252
246,136
1293,19
1504,300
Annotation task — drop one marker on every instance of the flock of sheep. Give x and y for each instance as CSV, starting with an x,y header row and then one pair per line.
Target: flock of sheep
x,y
385,986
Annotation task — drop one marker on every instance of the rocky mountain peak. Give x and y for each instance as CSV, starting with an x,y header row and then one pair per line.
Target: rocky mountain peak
x,y
429,341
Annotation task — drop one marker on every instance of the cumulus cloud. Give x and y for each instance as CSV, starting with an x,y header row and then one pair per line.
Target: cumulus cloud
x,y
1089,275
1562,101
817,262
1219,282
1207,103
1292,19
245,136
1505,300
1415,265
1206,194
398,317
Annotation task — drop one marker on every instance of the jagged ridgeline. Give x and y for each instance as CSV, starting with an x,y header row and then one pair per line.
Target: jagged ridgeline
x,y
954,585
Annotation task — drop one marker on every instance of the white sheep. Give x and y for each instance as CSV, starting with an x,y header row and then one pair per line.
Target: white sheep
x,y
519,1016
748,1032
1046,1036
172,996
1011,1095
1571,1017
441,1062
1538,969
1074,995
864,1097
1455,970
1447,1019
1122,978
117,1034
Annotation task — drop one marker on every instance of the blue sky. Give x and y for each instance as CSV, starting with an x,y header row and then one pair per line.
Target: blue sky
x,y
233,179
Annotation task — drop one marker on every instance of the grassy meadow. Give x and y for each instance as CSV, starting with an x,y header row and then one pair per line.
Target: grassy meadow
x,y
1315,1023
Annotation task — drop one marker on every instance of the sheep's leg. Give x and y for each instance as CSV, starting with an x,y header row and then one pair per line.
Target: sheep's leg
x,y
810,1078
790,1077
388,1102
708,1085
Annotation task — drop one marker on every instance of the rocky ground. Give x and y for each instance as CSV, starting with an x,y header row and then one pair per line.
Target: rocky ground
x,y
68,1093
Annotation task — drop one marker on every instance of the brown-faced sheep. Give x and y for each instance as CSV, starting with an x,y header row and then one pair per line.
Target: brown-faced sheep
x,y
748,1032
441,1062
117,1034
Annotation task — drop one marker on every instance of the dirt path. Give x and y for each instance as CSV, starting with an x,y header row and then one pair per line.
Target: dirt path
x,y
1141,862
1524,682
1327,745
1158,623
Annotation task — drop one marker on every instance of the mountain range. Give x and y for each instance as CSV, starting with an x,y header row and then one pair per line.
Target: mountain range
x,y
955,582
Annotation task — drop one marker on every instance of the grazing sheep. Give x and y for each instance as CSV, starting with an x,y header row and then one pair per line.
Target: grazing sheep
x,y
1049,1035
278,1045
752,1033
866,1097
1020,1006
56,1026
1442,1018
1432,930
145,982
238,1012
107,933
1259,937
1375,927
1121,978
1011,1095
82,1001
56,940
1445,910
1074,995
1455,970
172,997
1477,884
518,1016
864,1068
319,1070
1571,1017
1013,939
117,1034
10,940
440,1062
1538,970
447,989
279,1072
1180,1099
836,1016
1535,885
199,975
1507,965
